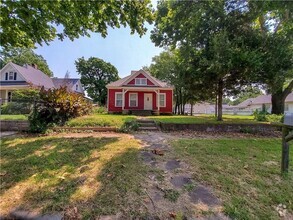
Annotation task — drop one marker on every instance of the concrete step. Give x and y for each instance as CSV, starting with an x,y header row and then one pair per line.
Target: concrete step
x,y
147,128
150,124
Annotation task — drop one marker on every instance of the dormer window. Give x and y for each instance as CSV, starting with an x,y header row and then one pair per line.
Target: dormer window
x,y
140,81
10,76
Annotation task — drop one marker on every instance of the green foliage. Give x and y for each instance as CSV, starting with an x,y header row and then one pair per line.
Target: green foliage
x,y
246,93
23,56
95,75
265,116
17,108
171,194
56,107
24,23
129,126
99,110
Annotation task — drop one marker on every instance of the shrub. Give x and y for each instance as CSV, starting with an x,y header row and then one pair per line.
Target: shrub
x,y
265,116
260,115
129,126
56,107
100,110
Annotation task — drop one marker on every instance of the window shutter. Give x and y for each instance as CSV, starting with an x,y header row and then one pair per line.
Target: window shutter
x,y
6,76
15,75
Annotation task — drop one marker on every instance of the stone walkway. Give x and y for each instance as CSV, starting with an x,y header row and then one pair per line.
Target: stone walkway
x,y
171,188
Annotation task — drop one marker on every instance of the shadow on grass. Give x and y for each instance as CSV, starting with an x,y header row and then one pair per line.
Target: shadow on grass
x,y
80,177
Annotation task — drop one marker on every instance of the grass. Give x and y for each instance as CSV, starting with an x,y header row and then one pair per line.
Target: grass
x,y
204,119
83,177
13,117
100,120
245,174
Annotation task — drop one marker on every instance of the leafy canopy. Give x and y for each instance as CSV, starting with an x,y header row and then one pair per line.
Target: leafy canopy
x,y
95,75
23,56
24,23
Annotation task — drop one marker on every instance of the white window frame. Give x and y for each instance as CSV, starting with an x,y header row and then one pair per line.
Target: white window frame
x,y
162,94
136,99
10,75
118,93
138,81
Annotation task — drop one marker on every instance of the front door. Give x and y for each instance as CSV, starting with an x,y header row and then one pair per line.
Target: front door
x,y
148,101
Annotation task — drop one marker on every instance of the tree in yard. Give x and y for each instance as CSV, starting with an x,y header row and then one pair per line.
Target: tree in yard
x,y
25,23
217,41
23,56
95,75
274,24
247,93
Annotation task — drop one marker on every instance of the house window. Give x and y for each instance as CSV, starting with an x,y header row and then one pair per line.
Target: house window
x,y
133,100
162,99
76,87
140,81
10,76
118,99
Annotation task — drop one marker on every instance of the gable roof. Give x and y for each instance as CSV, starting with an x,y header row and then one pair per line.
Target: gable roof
x,y
123,82
58,82
33,76
262,99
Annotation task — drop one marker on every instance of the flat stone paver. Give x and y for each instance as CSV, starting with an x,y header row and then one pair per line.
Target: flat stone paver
x,y
147,157
203,194
180,181
172,165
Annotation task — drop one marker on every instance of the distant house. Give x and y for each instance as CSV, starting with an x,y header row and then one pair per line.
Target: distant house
x,y
203,108
13,77
263,102
140,92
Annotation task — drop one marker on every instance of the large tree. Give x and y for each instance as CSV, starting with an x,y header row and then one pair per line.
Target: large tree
x,y
274,24
25,23
23,56
212,36
95,75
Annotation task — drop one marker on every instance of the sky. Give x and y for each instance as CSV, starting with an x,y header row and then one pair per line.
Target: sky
x,y
125,51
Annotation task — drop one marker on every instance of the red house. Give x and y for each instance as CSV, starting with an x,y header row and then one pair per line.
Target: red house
x,y
140,93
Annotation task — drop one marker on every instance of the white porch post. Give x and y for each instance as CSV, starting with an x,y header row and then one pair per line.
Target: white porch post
x,y
123,99
158,99
6,96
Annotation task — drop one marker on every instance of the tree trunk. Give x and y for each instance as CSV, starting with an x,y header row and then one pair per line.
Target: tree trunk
x,y
191,109
279,97
220,100
278,103
216,107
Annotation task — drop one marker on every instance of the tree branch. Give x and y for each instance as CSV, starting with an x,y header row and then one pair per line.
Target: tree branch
x,y
288,90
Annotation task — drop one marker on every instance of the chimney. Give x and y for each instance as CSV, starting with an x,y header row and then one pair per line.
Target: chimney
x,y
35,66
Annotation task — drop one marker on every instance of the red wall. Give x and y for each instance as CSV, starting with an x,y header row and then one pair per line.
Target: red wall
x,y
132,82
140,94
111,100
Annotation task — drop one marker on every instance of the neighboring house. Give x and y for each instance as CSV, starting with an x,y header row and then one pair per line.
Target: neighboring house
x,y
13,77
263,102
140,92
203,108
73,85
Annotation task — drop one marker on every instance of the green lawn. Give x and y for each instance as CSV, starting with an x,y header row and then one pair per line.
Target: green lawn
x,y
244,173
13,117
100,120
89,175
205,119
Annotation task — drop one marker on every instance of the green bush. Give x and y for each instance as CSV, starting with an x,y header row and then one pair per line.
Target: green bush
x,y
265,116
16,108
56,107
129,126
100,110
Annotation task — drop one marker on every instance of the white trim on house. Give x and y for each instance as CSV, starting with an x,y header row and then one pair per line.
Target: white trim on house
x,y
118,93
133,76
136,99
141,83
162,94
150,88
